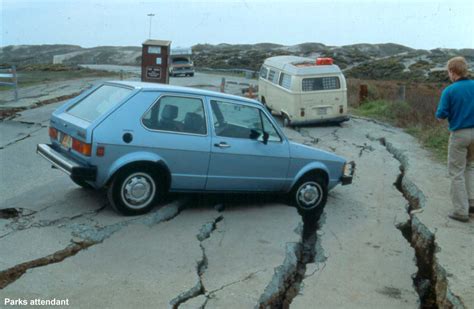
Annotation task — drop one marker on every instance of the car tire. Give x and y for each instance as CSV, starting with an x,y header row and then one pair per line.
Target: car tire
x,y
191,74
82,183
310,194
135,191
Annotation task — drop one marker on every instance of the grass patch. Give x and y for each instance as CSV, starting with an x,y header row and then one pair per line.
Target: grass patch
x,y
432,134
379,109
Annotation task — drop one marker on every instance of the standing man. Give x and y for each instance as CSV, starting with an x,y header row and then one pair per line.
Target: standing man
x,y
457,105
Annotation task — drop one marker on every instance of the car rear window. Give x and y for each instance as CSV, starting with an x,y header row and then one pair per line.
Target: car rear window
x,y
321,83
99,102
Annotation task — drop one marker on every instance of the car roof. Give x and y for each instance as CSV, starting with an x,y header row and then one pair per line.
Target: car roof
x,y
188,90
288,64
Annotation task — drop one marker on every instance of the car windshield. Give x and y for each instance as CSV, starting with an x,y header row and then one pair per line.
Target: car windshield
x,y
99,102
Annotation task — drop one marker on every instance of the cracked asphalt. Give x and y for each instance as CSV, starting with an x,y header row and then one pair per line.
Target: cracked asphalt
x,y
60,241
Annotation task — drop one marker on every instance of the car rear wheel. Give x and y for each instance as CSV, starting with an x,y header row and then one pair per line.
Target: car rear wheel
x,y
134,191
310,194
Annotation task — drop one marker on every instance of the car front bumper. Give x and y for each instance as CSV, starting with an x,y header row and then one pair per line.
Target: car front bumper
x,y
182,71
70,167
348,173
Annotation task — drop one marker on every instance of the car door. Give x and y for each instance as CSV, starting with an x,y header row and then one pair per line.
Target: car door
x,y
177,130
240,158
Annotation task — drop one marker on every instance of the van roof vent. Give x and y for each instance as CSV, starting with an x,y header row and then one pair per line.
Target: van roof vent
x,y
324,61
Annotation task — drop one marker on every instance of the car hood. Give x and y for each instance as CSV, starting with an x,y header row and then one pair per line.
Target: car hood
x,y
299,151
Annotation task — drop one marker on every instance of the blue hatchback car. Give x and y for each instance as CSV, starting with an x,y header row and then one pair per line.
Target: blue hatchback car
x,y
142,140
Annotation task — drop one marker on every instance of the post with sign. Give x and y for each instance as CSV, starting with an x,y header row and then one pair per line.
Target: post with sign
x,y
155,55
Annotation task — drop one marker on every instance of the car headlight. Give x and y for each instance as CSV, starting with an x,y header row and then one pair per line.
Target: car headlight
x,y
348,168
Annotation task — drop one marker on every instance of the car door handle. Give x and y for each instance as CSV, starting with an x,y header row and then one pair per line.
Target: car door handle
x,y
222,145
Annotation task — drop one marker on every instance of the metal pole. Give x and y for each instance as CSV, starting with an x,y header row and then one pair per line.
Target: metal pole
x,y
223,84
401,93
149,31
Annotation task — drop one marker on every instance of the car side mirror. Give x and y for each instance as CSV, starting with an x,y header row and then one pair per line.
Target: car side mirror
x,y
266,136
254,134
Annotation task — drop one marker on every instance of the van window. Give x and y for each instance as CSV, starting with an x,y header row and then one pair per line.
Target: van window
x,y
272,76
263,72
285,80
321,83
99,102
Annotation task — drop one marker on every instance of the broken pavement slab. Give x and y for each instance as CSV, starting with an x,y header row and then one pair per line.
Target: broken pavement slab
x,y
362,260
138,266
40,242
13,131
244,251
426,186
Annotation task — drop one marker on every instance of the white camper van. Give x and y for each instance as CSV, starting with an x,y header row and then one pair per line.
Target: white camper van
x,y
303,90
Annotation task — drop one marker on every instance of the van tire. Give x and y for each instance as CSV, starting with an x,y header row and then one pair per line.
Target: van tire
x,y
138,178
286,121
264,103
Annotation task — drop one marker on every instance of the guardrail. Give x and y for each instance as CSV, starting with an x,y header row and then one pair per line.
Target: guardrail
x,y
9,74
248,73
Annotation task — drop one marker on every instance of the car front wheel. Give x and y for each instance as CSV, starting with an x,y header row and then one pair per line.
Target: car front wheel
x,y
310,194
134,191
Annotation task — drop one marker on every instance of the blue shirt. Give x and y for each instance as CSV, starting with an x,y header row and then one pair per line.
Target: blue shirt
x,y
457,104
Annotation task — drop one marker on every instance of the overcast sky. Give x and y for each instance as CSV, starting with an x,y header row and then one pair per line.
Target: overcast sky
x,y
419,24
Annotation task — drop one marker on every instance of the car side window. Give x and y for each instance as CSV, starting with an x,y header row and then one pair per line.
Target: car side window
x,y
176,114
241,121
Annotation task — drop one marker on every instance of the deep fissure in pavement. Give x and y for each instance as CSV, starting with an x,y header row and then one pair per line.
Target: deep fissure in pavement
x,y
287,279
88,236
424,251
9,213
199,289
12,274
430,281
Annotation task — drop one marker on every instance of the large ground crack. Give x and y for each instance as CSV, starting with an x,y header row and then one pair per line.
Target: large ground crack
x,y
12,274
199,289
430,281
287,278
85,236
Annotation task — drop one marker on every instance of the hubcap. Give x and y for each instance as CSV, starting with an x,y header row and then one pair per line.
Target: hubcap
x,y
138,190
309,195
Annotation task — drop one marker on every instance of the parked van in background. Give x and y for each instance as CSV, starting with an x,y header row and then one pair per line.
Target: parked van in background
x,y
180,62
303,90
